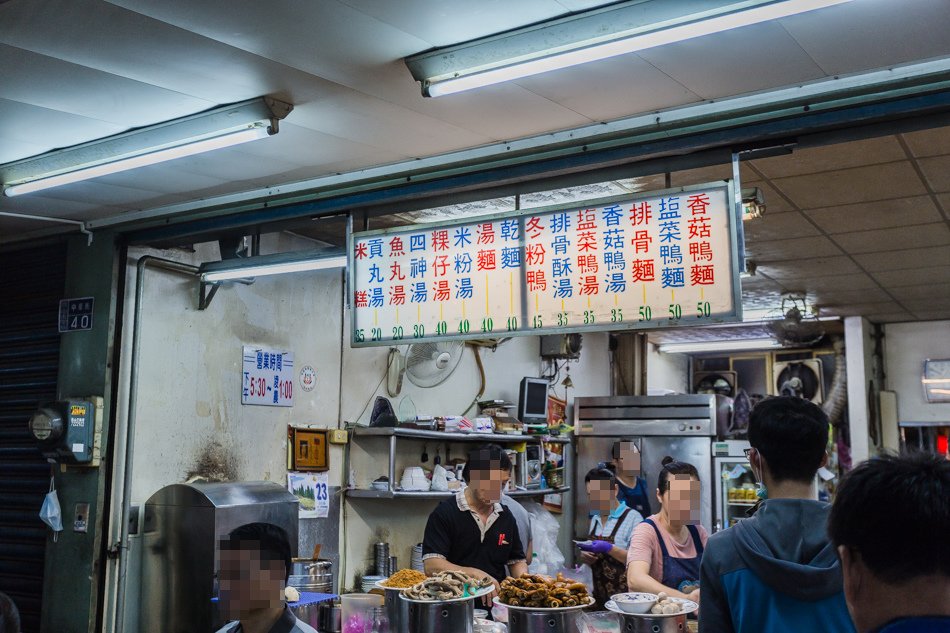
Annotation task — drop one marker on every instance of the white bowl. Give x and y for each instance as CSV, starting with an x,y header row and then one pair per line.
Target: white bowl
x,y
380,485
634,602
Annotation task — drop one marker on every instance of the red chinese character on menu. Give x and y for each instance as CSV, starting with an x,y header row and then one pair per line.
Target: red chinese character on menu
x,y
536,281
362,299
534,254
701,251
486,260
396,247
440,240
442,292
587,220
641,241
533,228
699,227
642,270
397,295
360,251
486,233
587,264
641,214
701,275
440,264
590,285
698,203
396,272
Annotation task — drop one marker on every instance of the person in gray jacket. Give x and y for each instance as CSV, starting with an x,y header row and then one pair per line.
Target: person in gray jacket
x,y
777,571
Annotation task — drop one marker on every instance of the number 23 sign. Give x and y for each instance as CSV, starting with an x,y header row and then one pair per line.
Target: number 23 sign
x,y
267,377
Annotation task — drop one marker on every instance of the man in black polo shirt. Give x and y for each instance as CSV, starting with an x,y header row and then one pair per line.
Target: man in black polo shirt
x,y
473,532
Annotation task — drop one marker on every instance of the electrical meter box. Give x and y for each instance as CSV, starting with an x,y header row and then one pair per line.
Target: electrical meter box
x,y
67,431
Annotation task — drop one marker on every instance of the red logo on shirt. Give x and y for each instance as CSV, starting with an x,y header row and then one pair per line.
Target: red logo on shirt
x,y
502,541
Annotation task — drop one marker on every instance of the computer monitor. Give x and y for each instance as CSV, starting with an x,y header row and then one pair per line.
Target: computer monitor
x,y
533,401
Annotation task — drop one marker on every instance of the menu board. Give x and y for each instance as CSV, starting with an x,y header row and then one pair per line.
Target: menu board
x,y
663,259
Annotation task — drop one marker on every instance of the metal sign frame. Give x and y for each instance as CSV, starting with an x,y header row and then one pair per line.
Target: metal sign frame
x,y
733,197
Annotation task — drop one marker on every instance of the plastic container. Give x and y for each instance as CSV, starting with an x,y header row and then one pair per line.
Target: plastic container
x,y
357,608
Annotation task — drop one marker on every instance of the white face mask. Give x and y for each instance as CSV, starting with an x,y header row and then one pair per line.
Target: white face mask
x,y
50,513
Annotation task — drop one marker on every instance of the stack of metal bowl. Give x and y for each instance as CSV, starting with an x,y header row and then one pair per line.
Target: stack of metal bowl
x,y
312,575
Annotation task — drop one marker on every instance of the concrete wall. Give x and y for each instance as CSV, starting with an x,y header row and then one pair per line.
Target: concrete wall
x,y
906,346
190,381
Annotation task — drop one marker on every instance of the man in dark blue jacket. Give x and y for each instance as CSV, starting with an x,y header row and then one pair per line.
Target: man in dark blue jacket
x,y
777,571
890,523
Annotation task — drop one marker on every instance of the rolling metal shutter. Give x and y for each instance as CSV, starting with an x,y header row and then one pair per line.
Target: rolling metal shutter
x,y
32,283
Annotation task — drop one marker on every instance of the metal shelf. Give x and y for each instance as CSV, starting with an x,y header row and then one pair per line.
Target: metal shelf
x,y
747,504
500,438
360,493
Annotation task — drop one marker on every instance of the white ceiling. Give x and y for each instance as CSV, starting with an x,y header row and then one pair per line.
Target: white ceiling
x,y
873,219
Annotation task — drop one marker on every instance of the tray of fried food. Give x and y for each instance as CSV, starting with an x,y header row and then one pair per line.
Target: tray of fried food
x,y
534,592
448,586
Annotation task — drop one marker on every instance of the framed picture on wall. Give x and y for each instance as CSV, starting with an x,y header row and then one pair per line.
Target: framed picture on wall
x,y
308,450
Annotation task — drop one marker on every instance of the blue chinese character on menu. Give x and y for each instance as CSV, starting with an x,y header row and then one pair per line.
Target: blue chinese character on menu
x,y
417,243
375,276
564,288
463,236
280,362
510,257
260,360
464,288
276,388
669,208
560,222
613,238
509,230
671,254
417,267
463,263
266,360
560,244
375,247
614,260
420,293
560,267
376,298
612,215
616,282
673,278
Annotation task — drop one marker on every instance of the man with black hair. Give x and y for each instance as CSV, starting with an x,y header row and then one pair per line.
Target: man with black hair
x,y
9,615
473,532
255,561
889,523
777,571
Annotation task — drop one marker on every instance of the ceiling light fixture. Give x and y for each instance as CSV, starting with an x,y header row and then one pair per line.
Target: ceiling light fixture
x,y
275,264
719,346
195,134
586,37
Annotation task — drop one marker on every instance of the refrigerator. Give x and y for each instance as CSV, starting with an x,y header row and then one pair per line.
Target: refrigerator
x,y
681,426
734,492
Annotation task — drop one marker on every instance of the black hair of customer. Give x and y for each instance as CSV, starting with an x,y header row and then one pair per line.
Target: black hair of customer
x,y
270,540
672,466
9,615
791,434
484,458
890,510
600,474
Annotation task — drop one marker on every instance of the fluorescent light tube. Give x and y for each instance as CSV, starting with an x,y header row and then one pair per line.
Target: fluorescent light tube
x,y
142,160
213,129
590,47
244,268
719,346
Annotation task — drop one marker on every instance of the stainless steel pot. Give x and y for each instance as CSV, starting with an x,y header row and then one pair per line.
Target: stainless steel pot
x,y
441,617
397,610
645,624
330,617
311,575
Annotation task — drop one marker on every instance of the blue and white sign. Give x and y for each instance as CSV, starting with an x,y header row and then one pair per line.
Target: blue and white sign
x,y
267,377
76,314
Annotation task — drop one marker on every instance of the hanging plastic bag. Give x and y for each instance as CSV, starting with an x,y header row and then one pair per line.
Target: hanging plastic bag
x,y
440,481
50,513
548,558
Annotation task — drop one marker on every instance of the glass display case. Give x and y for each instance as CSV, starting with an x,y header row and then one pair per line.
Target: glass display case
x,y
734,486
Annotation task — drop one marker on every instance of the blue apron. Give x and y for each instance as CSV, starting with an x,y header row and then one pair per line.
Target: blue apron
x,y
681,574
636,497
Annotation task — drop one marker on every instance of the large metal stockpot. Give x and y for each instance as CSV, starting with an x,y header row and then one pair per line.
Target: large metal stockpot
x,y
455,616
646,624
